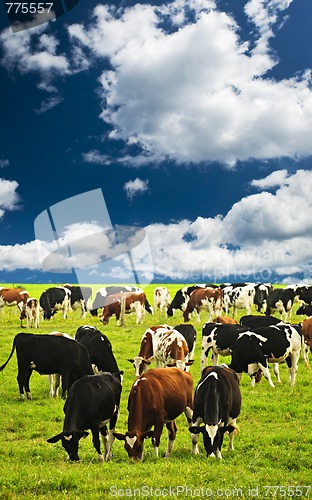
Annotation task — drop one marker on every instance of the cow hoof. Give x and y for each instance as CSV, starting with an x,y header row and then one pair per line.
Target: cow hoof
x,y
22,396
29,396
100,458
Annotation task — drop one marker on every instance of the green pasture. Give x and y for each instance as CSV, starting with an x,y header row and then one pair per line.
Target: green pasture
x,y
273,450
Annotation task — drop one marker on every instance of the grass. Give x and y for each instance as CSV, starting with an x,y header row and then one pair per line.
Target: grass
x,y
273,447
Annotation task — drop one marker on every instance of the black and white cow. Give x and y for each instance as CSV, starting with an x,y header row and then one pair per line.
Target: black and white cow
x,y
275,343
262,290
181,298
281,300
238,297
305,310
103,294
219,338
55,299
92,403
304,294
217,404
254,321
99,348
49,354
79,297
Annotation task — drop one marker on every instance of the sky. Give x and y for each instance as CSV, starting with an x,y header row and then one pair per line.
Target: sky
x,y
165,141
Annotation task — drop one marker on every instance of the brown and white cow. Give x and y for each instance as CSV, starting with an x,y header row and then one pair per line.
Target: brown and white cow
x,y
146,352
207,299
13,297
124,303
31,312
156,399
161,298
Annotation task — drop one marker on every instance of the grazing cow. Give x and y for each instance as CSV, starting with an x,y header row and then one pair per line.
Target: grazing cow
x,y
79,297
99,348
93,403
13,297
219,338
307,310
124,302
31,312
281,300
254,321
181,298
103,297
146,352
262,290
275,343
226,320
48,354
156,399
307,339
217,404
161,298
208,299
55,299
238,297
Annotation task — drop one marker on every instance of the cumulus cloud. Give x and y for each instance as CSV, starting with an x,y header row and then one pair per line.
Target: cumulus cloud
x,y
135,187
8,196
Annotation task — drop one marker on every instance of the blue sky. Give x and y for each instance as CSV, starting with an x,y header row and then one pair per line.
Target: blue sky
x,y
193,117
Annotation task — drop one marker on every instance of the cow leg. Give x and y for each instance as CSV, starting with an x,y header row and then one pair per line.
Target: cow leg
x,y
172,432
305,354
110,436
66,383
156,436
276,372
292,363
23,377
232,421
96,442
195,437
266,372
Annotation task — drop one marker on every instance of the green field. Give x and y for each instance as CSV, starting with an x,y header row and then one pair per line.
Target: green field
x,y
272,456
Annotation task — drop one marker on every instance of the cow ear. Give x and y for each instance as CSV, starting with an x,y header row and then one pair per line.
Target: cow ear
x,y
131,360
147,434
147,361
188,363
196,430
119,436
227,428
56,438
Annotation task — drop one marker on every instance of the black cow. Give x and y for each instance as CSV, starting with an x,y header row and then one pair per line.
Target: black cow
x,y
218,337
92,403
189,333
254,321
262,290
217,404
281,300
103,294
55,299
79,297
276,343
48,354
307,310
181,298
99,348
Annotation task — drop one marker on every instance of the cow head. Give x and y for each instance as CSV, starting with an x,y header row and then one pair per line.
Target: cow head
x,y
134,442
140,364
48,314
70,442
213,437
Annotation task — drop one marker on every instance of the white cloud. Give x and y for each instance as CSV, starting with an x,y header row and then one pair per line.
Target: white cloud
x,y
135,187
275,179
8,196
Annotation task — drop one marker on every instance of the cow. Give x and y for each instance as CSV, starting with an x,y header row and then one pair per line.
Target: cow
x,y
124,302
303,294
262,290
93,403
208,299
181,298
254,321
219,338
217,404
99,348
161,298
48,354
156,399
307,339
13,297
238,297
79,297
103,295
281,300
307,310
146,352
55,299
31,312
275,343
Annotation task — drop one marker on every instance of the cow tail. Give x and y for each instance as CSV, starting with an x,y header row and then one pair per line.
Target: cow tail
x,y
12,351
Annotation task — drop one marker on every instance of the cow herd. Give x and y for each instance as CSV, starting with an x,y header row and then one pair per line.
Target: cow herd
x,y
92,382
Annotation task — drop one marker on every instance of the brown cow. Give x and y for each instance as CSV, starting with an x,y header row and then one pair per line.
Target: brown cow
x,y
307,340
208,299
126,302
156,399
146,352
13,297
226,320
